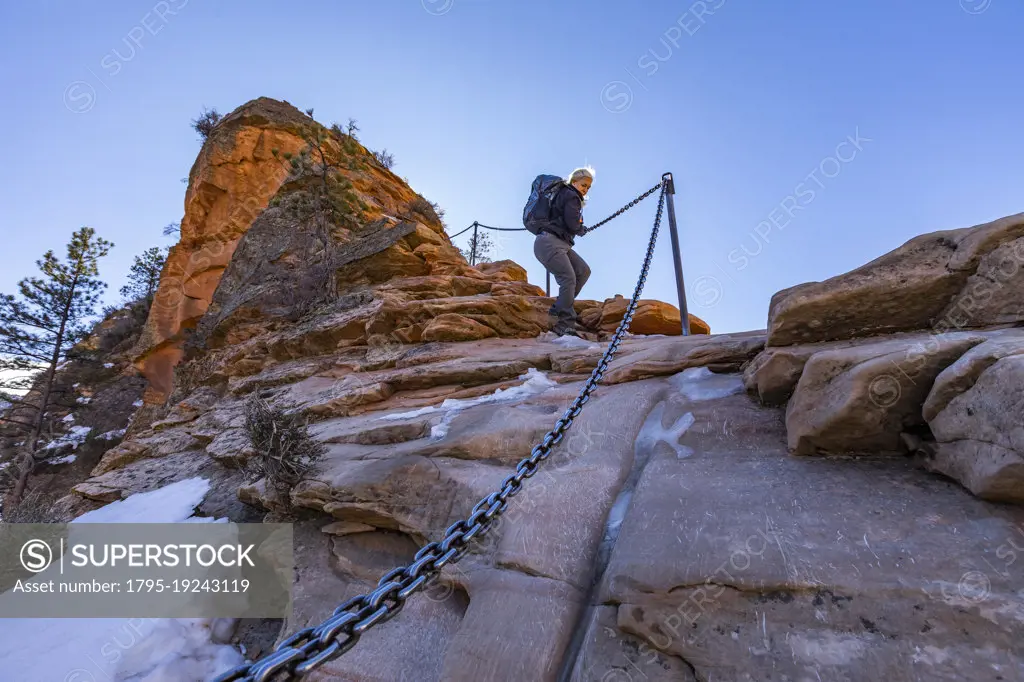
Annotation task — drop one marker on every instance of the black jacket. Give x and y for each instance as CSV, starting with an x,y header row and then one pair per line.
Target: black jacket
x,y
566,214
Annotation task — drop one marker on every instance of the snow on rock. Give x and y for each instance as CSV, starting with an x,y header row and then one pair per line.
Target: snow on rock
x,y
121,649
173,503
568,341
111,435
82,400
535,383
112,649
137,403
67,459
700,383
175,650
68,419
74,437
107,365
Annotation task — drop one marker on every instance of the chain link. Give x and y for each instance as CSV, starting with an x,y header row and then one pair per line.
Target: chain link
x,y
311,647
625,208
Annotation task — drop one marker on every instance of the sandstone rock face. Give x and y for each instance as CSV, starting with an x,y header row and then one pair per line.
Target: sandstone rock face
x,y
232,180
670,533
239,170
861,399
992,294
976,412
651,317
954,279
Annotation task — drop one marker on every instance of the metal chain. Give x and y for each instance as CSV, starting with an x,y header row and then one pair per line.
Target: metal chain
x,y
625,208
587,229
311,647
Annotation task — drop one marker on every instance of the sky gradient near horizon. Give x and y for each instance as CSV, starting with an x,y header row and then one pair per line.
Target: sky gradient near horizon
x,y
806,138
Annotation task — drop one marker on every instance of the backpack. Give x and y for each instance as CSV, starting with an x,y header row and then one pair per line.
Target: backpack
x,y
537,212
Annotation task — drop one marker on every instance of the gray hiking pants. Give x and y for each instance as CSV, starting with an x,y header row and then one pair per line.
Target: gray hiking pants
x,y
570,271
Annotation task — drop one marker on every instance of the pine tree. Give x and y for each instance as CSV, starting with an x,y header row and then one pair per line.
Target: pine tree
x,y
38,329
478,250
330,196
144,276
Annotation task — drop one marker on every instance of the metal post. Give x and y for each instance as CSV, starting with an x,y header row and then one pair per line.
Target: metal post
x,y
472,250
680,288
547,285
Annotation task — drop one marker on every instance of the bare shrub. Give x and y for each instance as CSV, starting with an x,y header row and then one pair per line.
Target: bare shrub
x,y
206,122
285,452
385,158
35,507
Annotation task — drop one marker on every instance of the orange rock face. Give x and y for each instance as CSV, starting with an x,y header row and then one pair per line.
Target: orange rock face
x,y
651,317
231,183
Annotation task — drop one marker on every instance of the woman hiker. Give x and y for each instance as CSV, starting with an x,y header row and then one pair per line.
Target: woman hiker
x,y
553,248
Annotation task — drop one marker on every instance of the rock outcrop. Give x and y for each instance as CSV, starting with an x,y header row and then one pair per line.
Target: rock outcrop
x,y
891,356
651,317
956,279
976,413
861,399
672,534
232,180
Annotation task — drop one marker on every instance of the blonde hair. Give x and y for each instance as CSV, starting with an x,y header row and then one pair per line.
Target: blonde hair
x,y
581,172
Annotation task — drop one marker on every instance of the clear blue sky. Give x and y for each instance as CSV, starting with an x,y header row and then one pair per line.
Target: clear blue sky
x,y
476,97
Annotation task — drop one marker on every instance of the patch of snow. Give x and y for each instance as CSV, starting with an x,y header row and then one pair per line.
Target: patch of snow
x,y
121,649
111,435
75,385
69,419
700,383
568,341
173,503
83,400
107,365
178,649
535,383
74,437
137,403
66,459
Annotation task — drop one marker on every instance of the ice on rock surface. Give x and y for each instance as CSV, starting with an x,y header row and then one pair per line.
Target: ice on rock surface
x,y
535,383
653,432
700,383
